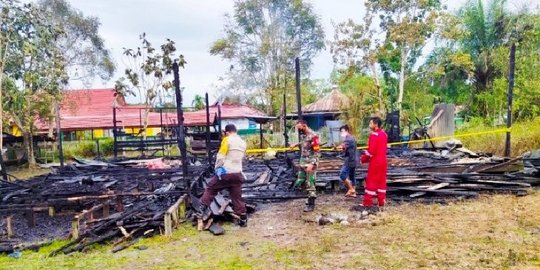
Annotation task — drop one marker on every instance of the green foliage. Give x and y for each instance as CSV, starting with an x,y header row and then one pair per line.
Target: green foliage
x,y
471,66
87,149
406,27
362,94
198,102
148,73
262,38
42,47
30,58
106,146
525,137
83,48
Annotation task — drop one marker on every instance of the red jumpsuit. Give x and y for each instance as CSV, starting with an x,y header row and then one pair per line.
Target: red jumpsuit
x,y
376,176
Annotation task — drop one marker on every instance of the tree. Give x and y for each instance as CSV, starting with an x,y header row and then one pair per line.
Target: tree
x,y
32,63
198,102
84,51
44,47
149,73
363,99
406,26
83,48
471,64
262,39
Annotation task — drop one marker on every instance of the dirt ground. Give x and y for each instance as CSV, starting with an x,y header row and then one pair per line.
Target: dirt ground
x,y
492,232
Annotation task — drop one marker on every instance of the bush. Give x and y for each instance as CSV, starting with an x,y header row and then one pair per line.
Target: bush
x,y
106,146
525,137
87,149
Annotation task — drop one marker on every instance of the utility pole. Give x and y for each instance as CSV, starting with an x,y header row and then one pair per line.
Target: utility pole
x,y
511,75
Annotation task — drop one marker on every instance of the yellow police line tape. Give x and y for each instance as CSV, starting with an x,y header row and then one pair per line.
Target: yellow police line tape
x,y
284,149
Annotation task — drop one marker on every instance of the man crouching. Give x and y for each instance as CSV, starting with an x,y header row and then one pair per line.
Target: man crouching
x,y
228,174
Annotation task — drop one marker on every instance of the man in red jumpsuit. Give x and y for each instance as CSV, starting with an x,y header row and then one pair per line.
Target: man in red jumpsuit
x,y
375,185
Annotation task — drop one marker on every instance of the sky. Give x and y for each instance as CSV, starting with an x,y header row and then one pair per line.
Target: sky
x,y
194,25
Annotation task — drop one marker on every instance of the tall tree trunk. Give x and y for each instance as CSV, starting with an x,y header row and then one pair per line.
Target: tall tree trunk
x,y
403,63
2,61
145,122
378,85
29,146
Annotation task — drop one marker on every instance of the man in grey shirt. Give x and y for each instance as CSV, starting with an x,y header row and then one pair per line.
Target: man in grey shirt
x,y
347,173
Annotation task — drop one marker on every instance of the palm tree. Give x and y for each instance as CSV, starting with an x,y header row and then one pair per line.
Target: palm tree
x,y
198,102
487,29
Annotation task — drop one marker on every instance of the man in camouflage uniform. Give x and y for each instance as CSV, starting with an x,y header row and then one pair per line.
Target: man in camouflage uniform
x,y
309,159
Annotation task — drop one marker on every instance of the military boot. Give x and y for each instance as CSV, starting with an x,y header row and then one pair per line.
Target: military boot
x,y
310,205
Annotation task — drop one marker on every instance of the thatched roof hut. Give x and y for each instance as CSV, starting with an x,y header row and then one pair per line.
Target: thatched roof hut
x,y
333,102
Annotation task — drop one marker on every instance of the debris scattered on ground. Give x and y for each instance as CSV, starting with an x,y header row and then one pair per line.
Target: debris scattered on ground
x,y
120,202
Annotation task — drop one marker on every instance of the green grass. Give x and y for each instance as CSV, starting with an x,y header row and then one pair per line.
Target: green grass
x,y
525,137
492,232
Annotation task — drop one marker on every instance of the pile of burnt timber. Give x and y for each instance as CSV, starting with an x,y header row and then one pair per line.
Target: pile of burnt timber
x,y
93,202
441,175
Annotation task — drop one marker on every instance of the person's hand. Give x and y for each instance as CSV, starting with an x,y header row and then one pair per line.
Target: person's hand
x,y
309,168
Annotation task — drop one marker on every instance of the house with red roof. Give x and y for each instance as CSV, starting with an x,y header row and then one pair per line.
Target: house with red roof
x,y
246,118
89,114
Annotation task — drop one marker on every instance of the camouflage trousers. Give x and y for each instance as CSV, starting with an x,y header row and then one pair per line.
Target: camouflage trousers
x,y
307,180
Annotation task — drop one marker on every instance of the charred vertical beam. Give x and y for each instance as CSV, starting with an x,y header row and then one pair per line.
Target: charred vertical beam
x,y
208,153
219,119
3,168
298,92
161,129
511,74
180,127
141,130
261,135
115,133
59,136
285,135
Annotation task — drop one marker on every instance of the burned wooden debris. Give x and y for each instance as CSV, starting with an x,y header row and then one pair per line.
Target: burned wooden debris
x,y
95,202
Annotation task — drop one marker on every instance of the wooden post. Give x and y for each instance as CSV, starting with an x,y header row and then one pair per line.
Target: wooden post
x,y
219,119
168,224
285,135
511,75
31,218
172,216
119,204
182,209
180,115
298,90
298,94
208,153
75,227
261,135
9,227
115,131
59,136
106,208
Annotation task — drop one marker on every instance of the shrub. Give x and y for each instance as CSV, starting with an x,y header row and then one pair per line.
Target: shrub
x,y
87,149
106,146
525,137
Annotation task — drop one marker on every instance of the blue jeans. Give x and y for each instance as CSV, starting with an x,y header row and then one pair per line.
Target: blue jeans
x,y
348,172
